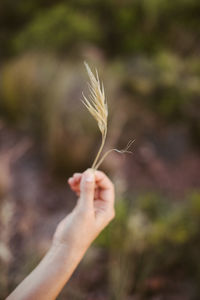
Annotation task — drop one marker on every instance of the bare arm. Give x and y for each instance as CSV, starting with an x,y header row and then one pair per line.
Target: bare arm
x,y
73,236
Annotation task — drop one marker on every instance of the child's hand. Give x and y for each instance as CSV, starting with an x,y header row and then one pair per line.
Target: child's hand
x,y
94,210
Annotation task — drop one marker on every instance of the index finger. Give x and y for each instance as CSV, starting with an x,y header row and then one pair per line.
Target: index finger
x,y
103,181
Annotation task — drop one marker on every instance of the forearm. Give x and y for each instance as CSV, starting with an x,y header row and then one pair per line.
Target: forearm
x,y
49,277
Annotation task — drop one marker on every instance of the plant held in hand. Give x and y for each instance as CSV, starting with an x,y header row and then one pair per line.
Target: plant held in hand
x,y
97,106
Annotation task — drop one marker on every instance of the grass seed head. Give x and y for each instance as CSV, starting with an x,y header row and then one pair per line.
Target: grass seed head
x,y
97,106
96,102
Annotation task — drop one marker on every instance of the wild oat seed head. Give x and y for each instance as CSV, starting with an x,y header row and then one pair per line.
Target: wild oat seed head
x,y
97,106
96,102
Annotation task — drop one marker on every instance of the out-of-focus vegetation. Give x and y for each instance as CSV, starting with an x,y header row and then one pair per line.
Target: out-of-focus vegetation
x,y
41,94
147,54
151,247
119,28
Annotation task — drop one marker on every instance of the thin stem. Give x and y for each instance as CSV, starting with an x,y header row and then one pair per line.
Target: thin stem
x,y
100,149
116,150
102,159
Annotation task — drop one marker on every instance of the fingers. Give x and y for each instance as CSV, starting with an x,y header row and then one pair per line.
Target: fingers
x,y
87,187
105,210
106,188
96,195
74,182
77,177
103,181
103,186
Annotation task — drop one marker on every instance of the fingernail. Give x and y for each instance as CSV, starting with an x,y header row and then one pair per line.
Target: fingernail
x,y
89,176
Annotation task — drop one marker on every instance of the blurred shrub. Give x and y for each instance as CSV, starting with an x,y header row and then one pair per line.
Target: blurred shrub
x,y
167,86
118,28
41,96
58,28
153,238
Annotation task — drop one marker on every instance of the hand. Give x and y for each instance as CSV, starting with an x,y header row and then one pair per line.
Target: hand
x,y
93,212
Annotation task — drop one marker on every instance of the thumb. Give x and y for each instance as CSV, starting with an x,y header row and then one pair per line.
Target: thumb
x,y
87,187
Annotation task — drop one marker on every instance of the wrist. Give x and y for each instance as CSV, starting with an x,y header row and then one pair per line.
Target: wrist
x,y
62,252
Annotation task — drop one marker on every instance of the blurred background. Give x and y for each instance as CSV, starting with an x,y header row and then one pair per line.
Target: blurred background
x,y
147,55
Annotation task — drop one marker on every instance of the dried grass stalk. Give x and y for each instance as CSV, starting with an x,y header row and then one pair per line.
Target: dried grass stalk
x,y
97,106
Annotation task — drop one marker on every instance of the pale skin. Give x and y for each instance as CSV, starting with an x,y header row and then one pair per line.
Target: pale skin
x,y
73,236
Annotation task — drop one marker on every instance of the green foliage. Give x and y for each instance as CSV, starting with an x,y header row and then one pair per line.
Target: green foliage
x,y
167,86
112,235
57,28
119,29
155,41
155,238
39,96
